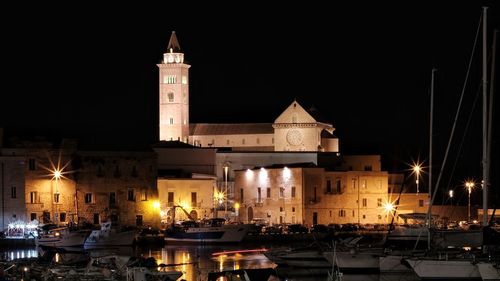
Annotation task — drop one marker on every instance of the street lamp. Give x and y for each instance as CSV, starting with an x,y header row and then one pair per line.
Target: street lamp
x,y
226,169
469,185
56,175
416,169
451,196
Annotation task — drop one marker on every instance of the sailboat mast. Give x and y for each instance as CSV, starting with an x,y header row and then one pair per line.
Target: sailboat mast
x,y
485,122
430,159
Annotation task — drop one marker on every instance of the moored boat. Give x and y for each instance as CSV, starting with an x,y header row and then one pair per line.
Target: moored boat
x,y
213,230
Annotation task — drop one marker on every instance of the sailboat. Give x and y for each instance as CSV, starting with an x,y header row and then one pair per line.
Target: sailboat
x,y
459,265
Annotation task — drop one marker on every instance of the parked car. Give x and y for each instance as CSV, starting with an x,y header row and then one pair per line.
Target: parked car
x,y
297,228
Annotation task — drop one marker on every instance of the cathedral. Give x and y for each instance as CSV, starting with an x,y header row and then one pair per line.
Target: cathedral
x,y
296,129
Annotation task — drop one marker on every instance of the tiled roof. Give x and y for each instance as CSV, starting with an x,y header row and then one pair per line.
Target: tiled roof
x,y
230,129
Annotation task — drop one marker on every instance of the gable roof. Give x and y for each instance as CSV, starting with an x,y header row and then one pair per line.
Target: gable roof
x,y
230,129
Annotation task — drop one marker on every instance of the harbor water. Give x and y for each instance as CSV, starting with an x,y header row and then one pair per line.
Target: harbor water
x,y
196,261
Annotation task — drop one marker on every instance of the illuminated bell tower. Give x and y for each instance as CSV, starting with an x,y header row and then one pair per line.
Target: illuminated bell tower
x,y
174,94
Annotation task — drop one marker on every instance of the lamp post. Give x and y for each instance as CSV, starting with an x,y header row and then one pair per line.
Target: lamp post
x,y
56,175
226,169
451,196
469,185
416,169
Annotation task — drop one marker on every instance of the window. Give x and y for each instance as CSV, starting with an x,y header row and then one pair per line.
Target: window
x,y
33,197
420,203
259,195
117,172
241,195
33,216
293,209
379,202
169,79
354,183
258,141
62,217
365,186
330,213
293,192
282,192
365,202
31,164
328,186
88,198
130,194
171,120
112,199
193,199
184,79
227,142
268,192
281,209
339,186
342,213
170,198
272,140
100,172
170,96
353,214
364,216
134,172
96,218
56,197
243,141
144,195
13,192
368,167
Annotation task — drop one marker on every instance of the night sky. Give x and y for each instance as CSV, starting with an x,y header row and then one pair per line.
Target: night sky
x,y
90,71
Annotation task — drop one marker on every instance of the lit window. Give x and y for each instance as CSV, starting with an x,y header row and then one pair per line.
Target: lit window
x,y
33,197
88,198
184,79
130,194
144,195
169,79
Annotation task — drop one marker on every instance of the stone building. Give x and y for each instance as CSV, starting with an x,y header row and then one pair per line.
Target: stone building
x,y
12,185
305,193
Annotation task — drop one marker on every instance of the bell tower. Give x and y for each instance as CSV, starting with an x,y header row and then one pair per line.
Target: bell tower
x,y
174,94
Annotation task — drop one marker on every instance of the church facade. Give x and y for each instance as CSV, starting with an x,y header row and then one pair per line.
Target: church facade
x,y
296,129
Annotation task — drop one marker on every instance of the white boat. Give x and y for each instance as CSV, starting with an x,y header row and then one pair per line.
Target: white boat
x,y
61,237
444,269
208,231
106,236
489,271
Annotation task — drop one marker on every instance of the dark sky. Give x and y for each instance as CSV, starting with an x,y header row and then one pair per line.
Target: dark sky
x,y
90,71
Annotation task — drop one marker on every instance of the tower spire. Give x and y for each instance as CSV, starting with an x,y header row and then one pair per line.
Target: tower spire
x,y
173,44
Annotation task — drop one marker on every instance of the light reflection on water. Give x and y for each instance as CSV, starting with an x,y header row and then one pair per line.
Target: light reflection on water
x,y
197,261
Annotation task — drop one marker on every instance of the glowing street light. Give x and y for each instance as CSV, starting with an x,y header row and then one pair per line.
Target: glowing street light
x,y
451,196
417,168
469,185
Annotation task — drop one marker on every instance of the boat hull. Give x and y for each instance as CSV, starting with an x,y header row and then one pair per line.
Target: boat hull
x,y
220,234
444,269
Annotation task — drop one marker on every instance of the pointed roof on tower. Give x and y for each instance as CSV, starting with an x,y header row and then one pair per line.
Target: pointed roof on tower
x,y
173,44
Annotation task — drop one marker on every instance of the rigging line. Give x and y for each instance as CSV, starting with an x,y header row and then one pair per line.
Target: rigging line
x,y
463,139
456,117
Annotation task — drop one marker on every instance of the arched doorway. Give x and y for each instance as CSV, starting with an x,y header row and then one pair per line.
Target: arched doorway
x,y
250,214
193,214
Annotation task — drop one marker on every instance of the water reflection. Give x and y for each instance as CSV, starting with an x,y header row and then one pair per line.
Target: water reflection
x,y
197,261
16,254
